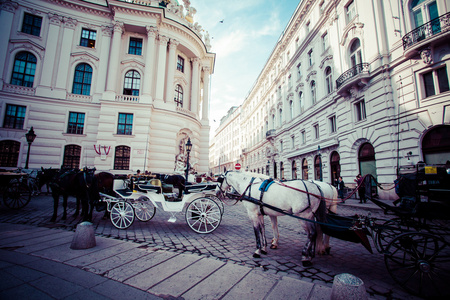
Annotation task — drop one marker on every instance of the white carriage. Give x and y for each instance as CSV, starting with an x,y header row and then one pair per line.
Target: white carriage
x,y
139,199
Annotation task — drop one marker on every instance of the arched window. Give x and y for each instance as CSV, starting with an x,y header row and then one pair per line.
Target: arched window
x,y
179,95
313,92
366,158
355,53
82,80
273,121
72,157
132,83
335,166
24,69
294,170
122,158
318,167
300,101
9,153
436,145
305,169
328,80
291,109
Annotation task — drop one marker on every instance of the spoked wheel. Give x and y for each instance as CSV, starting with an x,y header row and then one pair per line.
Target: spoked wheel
x,y
391,229
144,210
203,215
218,201
122,215
420,263
17,195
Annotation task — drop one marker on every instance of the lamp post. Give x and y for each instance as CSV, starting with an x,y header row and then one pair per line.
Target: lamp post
x,y
30,139
320,158
188,150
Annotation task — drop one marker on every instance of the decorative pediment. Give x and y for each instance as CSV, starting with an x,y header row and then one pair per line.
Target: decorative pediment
x,y
329,57
354,28
299,86
133,62
312,73
27,45
86,55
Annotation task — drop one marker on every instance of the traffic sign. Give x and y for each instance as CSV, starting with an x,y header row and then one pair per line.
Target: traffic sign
x,y
237,166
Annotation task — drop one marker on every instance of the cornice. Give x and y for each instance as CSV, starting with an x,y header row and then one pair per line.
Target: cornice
x,y
84,53
86,8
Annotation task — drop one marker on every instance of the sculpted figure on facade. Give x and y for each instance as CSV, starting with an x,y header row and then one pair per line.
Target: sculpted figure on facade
x,y
426,56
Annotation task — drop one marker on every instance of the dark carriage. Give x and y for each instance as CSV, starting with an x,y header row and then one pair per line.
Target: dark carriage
x,y
15,189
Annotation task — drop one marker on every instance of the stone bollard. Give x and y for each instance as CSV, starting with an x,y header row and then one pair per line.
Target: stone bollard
x,y
84,237
347,286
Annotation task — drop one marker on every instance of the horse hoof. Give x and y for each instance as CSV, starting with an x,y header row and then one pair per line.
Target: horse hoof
x,y
273,247
306,263
256,255
264,252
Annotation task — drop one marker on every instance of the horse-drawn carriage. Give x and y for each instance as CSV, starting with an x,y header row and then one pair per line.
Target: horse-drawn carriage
x,y
139,197
414,242
15,189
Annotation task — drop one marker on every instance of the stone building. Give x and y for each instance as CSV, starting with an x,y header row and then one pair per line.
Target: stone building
x,y
352,86
119,85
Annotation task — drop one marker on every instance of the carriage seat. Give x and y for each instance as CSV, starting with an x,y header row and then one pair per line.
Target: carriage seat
x,y
153,185
121,188
201,187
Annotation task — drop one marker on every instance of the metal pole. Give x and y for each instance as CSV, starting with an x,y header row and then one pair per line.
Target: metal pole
x,y
28,156
187,166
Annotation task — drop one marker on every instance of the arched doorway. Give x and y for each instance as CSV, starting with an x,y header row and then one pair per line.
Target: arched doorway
x,y
367,163
436,145
318,167
335,167
305,169
294,170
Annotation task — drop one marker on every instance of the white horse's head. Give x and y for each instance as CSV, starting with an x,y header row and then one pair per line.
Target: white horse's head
x,y
237,182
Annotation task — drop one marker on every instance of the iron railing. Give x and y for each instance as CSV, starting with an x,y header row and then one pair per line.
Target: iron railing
x,y
350,73
427,30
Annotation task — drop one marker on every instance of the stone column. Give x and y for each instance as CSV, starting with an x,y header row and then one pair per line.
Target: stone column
x,y
51,50
195,84
149,61
103,62
161,71
205,107
114,60
171,69
6,20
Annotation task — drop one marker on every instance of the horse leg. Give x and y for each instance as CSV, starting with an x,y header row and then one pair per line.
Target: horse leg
x,y
260,235
276,236
55,207
77,211
65,196
308,249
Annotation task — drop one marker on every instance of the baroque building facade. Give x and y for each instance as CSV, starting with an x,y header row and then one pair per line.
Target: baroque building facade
x,y
352,86
119,85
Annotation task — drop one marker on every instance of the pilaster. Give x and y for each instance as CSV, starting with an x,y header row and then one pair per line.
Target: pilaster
x,y
149,62
195,84
205,107
161,71
114,61
171,69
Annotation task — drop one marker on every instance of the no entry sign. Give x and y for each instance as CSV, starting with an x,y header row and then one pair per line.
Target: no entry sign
x,y
237,166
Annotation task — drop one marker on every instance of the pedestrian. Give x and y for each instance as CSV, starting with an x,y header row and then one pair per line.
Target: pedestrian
x,y
340,187
361,189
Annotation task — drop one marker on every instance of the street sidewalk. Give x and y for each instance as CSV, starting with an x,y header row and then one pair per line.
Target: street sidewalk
x,y
37,263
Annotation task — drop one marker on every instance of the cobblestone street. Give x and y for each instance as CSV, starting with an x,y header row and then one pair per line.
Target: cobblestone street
x,y
234,242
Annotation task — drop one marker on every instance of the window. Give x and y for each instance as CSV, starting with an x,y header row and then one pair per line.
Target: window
x,y
425,11
325,41
72,155
132,83
360,110
435,81
310,57
328,80
82,80
178,95
305,169
281,146
291,109
76,123
294,170
125,124
14,116
281,117
135,46
303,134
299,71
350,10
9,153
31,24
332,121
88,38
300,101
122,158
24,69
313,92
289,81
318,167
180,64
316,131
355,53
293,142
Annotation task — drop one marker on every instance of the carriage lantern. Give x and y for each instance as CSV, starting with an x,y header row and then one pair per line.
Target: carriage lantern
x,y
188,150
30,139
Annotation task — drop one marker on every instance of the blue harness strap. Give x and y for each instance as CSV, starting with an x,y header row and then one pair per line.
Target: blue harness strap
x,y
266,184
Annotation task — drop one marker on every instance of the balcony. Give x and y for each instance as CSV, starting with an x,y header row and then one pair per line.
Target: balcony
x,y
127,98
436,29
357,76
270,134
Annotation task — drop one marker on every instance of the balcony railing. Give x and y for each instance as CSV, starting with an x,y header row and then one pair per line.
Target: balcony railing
x,y
427,30
270,133
127,98
349,74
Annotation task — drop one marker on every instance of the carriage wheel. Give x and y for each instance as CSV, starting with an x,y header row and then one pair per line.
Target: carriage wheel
x,y
218,201
122,215
144,210
17,195
420,263
203,215
391,229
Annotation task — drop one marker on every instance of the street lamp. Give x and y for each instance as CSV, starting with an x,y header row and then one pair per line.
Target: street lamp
x,y
30,139
320,158
188,150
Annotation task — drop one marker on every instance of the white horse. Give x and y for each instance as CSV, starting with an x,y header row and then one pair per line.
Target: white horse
x,y
297,198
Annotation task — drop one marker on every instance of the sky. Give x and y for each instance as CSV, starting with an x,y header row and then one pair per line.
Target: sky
x,y
243,43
